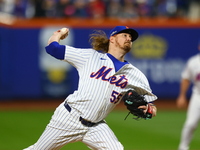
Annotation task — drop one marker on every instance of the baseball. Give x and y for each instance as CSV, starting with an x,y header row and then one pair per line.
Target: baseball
x,y
63,30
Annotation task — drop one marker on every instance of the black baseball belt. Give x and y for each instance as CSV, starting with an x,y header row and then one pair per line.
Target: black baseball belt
x,y
82,120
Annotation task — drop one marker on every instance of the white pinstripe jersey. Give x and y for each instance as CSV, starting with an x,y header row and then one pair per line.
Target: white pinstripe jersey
x,y
192,72
100,86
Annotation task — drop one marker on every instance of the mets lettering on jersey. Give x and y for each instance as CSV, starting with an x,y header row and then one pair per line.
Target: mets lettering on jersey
x,y
119,81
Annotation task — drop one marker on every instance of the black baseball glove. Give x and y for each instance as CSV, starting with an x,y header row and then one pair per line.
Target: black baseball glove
x,y
132,101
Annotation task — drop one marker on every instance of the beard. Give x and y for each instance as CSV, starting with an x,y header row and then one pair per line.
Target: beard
x,y
126,46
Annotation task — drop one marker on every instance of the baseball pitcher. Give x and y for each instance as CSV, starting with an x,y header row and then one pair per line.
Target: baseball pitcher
x,y
105,79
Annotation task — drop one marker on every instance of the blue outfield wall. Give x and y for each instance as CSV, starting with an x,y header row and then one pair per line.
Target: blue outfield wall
x,y
27,71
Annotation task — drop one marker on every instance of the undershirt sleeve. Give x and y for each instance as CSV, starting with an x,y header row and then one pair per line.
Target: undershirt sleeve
x,y
56,50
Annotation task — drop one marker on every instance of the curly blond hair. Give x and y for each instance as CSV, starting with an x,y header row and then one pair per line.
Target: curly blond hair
x,y
99,41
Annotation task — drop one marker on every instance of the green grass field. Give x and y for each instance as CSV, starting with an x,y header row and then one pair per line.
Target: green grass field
x,y
19,129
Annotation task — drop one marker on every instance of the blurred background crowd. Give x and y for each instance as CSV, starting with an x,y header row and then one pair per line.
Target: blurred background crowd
x,y
101,8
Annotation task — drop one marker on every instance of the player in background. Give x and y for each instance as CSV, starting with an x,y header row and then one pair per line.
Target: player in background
x,y
191,74
104,76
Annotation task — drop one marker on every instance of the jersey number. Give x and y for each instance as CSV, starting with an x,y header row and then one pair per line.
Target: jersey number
x,y
115,97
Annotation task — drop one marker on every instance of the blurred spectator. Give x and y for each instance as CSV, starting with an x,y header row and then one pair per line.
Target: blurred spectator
x,y
114,8
7,6
161,6
171,7
145,8
39,8
64,8
20,7
80,8
194,9
129,10
96,8
49,8
182,8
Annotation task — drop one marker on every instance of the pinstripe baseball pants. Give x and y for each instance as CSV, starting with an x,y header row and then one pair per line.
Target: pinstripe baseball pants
x,y
65,127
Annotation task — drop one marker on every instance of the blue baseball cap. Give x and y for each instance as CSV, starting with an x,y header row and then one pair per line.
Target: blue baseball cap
x,y
124,29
